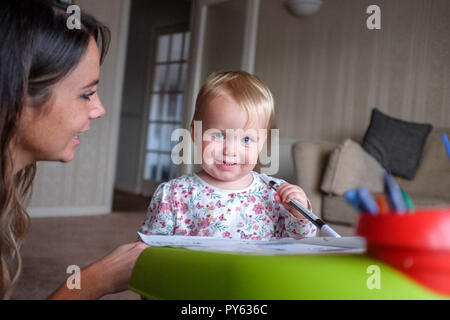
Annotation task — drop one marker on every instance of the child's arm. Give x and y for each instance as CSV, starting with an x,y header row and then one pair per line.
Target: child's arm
x,y
160,216
296,224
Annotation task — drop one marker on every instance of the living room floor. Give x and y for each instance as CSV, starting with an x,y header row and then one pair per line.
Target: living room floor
x,y
53,244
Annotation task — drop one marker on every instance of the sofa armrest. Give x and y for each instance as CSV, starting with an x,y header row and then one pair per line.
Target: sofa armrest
x,y
310,159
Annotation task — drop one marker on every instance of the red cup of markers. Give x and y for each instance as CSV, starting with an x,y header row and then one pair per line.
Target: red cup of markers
x,y
417,244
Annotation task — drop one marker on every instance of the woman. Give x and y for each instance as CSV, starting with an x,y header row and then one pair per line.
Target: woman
x,y
48,82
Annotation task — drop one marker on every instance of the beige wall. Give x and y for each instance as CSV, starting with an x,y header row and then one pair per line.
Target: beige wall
x,y
224,37
328,71
85,185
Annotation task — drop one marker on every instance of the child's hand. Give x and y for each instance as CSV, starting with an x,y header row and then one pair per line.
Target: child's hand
x,y
287,192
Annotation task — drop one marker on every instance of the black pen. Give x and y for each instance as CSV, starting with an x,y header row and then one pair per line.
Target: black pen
x,y
308,214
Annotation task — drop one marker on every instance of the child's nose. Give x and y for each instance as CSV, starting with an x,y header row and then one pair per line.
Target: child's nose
x,y
230,147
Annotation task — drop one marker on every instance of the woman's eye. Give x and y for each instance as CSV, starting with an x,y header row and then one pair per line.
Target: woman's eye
x,y
87,96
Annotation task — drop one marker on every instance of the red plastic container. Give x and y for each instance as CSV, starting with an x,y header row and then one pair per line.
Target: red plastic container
x,y
416,243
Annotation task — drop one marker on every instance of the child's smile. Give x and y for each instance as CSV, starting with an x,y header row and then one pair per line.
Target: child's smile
x,y
227,166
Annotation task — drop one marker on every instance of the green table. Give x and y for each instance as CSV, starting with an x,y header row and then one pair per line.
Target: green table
x,y
172,273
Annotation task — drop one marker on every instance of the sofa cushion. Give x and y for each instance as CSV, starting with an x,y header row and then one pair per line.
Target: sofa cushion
x,y
395,143
430,202
433,175
335,209
310,159
350,167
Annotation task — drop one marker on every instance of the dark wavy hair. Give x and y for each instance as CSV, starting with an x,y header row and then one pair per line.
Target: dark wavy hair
x,y
37,50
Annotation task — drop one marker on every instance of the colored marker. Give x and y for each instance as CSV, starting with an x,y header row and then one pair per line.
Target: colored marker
x,y
394,194
383,205
446,143
366,200
407,200
308,214
352,197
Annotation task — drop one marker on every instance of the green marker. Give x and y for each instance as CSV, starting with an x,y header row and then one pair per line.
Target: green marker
x,y
407,200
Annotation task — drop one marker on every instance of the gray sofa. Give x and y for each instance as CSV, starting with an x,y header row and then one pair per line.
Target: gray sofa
x,y
429,188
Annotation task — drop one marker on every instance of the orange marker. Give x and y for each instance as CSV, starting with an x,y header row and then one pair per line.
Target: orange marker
x,y
383,206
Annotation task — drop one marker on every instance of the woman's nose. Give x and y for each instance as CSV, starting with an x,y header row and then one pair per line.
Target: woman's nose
x,y
97,111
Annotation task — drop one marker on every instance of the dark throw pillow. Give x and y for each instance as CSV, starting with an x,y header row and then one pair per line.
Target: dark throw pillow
x,y
395,143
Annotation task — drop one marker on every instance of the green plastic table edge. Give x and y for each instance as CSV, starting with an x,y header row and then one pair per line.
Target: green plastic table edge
x,y
170,273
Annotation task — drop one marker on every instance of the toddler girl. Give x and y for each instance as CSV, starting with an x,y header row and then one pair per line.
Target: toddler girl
x,y
227,198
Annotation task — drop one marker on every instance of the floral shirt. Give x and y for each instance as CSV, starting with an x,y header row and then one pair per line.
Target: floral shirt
x,y
189,206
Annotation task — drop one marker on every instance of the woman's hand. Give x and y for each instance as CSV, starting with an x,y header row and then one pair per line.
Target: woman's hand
x,y
287,192
116,267
108,275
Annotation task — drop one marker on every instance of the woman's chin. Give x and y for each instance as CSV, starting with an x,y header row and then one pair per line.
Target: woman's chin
x,y
67,157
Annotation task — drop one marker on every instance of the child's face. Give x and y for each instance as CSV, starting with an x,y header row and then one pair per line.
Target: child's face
x,y
230,146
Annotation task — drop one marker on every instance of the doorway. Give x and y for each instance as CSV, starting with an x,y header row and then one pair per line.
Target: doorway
x,y
165,104
155,76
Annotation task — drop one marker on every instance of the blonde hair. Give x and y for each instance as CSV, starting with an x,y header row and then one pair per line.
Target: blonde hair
x,y
246,89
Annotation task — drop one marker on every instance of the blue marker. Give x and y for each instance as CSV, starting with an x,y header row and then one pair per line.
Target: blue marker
x,y
394,194
367,201
446,143
352,197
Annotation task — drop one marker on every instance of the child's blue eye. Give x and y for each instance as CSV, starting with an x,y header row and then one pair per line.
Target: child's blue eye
x,y
247,140
218,135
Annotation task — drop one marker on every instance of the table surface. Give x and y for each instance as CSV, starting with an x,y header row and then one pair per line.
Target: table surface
x,y
173,273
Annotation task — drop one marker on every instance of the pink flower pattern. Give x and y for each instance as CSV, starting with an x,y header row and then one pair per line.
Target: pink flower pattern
x,y
189,206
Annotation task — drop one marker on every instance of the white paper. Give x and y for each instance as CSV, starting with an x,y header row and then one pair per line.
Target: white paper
x,y
284,246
